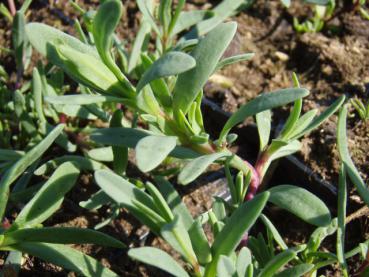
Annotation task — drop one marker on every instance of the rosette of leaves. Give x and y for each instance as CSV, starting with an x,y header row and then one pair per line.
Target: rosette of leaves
x,y
167,101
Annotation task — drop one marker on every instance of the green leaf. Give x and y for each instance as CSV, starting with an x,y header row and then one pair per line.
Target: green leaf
x,y
160,203
234,59
81,163
128,195
159,86
41,35
295,271
351,170
139,45
174,201
119,136
119,153
200,242
66,257
104,23
87,70
165,13
225,267
319,234
157,258
302,123
145,8
341,218
60,235
322,117
285,150
96,201
10,155
277,237
37,95
20,43
222,11
301,203
129,137
49,198
276,263
207,54
262,103
21,165
263,121
120,190
190,18
244,259
152,150
177,236
294,116
197,166
172,63
239,223
81,99
103,154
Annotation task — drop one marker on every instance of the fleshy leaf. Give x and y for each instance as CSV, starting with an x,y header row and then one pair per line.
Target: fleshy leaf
x,y
301,203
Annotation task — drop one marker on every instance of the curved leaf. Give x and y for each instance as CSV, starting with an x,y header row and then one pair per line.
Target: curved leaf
x,y
265,101
157,258
226,267
81,99
41,35
65,257
60,235
323,116
276,263
21,165
301,203
172,63
49,198
296,271
207,54
197,166
351,170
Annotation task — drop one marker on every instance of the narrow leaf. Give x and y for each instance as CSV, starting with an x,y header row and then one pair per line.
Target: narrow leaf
x,y
262,103
351,170
21,165
276,263
197,166
263,121
60,235
157,258
207,54
66,257
49,198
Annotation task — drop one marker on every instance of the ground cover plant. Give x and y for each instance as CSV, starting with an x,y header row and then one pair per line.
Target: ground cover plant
x,y
149,100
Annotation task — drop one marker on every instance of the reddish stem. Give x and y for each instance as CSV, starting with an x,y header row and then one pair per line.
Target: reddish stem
x,y
63,118
257,176
12,8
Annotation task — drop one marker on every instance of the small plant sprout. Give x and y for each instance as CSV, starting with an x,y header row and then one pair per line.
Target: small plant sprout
x,y
322,12
361,108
